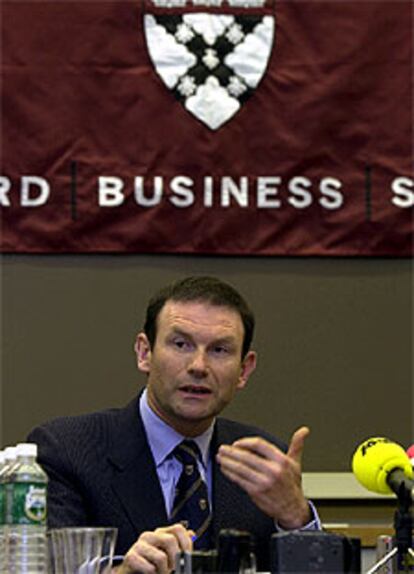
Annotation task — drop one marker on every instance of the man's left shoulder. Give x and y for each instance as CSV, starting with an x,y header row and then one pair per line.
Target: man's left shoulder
x,y
227,431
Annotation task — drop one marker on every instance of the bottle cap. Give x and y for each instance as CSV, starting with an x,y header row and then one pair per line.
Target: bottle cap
x,y
26,449
10,453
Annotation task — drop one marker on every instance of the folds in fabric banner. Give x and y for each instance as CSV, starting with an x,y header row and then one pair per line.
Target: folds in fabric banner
x,y
238,127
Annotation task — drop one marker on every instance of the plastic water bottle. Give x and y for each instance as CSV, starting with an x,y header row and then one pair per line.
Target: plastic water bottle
x,y
26,486
9,462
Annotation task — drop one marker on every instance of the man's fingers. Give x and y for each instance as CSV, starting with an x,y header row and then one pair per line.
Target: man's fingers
x,y
237,466
297,444
145,558
155,551
237,478
183,536
257,446
263,449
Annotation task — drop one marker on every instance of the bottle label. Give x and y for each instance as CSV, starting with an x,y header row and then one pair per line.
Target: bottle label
x,y
2,504
26,503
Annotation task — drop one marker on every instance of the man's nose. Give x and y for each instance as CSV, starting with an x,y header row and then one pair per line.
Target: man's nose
x,y
198,365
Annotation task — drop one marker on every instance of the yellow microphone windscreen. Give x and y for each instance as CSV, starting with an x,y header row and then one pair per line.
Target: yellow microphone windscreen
x,y
374,459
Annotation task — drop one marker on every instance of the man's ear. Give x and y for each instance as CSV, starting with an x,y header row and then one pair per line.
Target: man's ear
x,y
247,368
142,349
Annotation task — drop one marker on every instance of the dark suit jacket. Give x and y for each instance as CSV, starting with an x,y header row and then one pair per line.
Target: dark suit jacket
x,y
101,473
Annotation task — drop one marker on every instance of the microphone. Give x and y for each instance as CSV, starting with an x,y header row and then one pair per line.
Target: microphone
x,y
383,466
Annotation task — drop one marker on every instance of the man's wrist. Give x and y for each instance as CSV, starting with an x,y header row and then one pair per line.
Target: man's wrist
x,y
311,523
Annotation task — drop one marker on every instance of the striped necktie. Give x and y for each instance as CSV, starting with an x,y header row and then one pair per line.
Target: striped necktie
x,y
191,504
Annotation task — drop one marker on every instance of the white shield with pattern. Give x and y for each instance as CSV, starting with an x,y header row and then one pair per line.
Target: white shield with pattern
x,y
212,62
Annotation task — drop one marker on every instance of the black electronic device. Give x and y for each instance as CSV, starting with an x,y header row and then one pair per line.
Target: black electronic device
x,y
196,562
235,551
314,552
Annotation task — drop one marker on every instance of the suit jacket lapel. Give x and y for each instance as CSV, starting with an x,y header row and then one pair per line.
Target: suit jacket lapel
x,y
135,481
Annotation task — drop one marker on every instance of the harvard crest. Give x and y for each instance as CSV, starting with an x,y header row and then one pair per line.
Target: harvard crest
x,y
211,61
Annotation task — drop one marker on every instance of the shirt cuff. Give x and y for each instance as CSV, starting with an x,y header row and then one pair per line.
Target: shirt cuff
x,y
313,524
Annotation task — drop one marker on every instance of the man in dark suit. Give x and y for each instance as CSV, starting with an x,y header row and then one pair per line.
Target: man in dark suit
x,y
120,467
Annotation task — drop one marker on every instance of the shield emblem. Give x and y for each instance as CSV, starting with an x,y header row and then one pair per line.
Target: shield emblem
x,y
211,62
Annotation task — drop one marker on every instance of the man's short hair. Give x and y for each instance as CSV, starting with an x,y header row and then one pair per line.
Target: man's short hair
x,y
207,290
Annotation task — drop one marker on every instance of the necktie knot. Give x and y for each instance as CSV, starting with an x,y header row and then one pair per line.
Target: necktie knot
x,y
187,452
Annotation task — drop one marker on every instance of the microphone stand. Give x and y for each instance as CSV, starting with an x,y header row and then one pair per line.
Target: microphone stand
x,y
403,524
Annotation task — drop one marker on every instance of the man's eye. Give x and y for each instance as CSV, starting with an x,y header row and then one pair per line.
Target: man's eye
x,y
220,350
180,344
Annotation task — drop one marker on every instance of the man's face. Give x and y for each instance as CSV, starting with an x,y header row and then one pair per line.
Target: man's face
x,y
195,366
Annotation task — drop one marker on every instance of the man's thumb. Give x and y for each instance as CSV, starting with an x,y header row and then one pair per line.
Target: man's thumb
x,y
297,444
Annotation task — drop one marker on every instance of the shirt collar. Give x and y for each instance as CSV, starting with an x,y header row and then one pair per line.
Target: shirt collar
x,y
162,438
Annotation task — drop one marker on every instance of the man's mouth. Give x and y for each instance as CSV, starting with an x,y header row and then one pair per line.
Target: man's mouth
x,y
195,390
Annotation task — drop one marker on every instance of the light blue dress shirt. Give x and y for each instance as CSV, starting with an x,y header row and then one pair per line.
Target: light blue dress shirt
x,y
162,440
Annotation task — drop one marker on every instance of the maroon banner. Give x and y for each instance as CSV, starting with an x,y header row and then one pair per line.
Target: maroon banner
x,y
207,126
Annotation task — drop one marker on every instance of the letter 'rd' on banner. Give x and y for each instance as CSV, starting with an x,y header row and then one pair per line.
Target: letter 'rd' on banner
x,y
256,127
